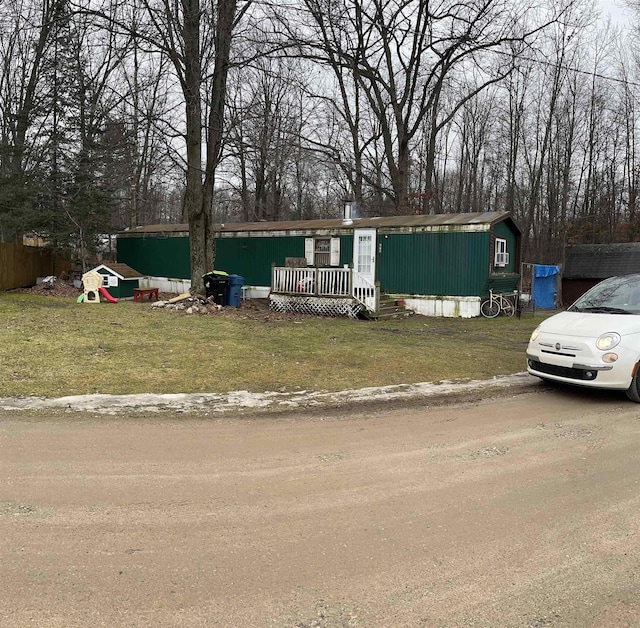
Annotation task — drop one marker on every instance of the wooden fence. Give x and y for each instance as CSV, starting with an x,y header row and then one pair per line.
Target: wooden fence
x,y
20,266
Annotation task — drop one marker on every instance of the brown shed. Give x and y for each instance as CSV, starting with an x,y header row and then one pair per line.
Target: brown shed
x,y
588,264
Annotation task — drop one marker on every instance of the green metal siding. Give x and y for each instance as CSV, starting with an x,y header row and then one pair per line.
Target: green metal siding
x,y
156,256
252,258
443,264
346,250
502,230
502,283
504,278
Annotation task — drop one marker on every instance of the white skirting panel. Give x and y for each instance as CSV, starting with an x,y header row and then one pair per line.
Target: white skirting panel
x,y
179,286
166,284
447,307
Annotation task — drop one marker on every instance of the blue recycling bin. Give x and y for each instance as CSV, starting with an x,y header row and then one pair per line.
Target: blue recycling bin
x,y
234,290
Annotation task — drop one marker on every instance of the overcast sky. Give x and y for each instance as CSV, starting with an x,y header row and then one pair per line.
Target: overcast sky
x,y
614,9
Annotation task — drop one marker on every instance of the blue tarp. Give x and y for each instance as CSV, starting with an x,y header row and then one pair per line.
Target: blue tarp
x,y
544,284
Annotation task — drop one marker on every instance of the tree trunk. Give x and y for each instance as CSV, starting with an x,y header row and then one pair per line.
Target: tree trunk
x,y
400,177
196,216
224,29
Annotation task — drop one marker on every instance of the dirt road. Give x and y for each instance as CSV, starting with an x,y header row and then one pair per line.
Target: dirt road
x,y
519,511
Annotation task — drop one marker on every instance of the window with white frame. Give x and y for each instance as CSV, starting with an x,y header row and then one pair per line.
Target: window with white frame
x,y
501,257
322,251
109,281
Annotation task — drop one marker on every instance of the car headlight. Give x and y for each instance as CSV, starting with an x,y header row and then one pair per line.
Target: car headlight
x,y
534,334
608,341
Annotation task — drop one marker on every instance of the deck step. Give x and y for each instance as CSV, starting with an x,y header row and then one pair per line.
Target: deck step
x,y
387,308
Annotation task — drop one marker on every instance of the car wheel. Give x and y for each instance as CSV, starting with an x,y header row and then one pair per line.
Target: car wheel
x,y
490,309
633,392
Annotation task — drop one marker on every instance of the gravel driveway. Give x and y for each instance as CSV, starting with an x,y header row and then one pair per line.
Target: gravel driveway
x,y
509,511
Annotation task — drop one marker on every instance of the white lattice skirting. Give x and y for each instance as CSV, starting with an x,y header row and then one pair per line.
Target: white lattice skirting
x,y
318,306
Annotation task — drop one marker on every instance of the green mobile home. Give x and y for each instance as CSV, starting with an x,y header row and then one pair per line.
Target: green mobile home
x,y
439,265
160,253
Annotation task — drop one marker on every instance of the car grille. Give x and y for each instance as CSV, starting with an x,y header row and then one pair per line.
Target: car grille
x,y
560,349
563,371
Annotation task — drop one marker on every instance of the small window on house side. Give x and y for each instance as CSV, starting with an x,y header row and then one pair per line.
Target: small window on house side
x,y
105,281
501,258
322,251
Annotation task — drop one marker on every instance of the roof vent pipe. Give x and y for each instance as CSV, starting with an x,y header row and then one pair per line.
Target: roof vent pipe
x,y
349,212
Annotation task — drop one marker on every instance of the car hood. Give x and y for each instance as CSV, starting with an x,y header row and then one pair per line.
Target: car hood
x,y
590,324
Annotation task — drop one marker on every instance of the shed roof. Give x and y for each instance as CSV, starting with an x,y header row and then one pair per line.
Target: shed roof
x,y
600,261
122,271
429,220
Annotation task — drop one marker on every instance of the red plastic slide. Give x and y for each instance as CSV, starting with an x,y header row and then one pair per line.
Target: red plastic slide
x,y
105,293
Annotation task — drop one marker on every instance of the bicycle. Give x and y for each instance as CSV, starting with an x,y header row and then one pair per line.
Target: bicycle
x,y
495,304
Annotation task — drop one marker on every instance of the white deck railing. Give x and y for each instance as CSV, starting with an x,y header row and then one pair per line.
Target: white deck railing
x,y
366,292
325,282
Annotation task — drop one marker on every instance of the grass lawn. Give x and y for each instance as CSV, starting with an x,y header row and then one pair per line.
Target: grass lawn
x,y
52,346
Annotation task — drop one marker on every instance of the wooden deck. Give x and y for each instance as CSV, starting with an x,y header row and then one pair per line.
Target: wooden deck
x,y
331,290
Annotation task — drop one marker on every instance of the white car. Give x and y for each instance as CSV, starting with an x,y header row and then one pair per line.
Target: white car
x,y
596,342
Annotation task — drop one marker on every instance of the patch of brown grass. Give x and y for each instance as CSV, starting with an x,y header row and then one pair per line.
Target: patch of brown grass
x,y
52,346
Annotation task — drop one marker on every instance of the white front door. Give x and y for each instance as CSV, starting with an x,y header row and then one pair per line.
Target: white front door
x,y
364,253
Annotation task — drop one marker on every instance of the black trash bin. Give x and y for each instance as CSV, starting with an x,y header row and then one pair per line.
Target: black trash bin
x,y
234,290
215,286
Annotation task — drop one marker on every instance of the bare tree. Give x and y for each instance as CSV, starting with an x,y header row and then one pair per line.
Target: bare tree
x,y
403,56
196,37
27,35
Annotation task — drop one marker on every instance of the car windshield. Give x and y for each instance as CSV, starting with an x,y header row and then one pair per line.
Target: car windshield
x,y
618,295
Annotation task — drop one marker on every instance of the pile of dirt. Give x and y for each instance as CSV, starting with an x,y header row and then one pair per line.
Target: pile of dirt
x,y
52,288
253,309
